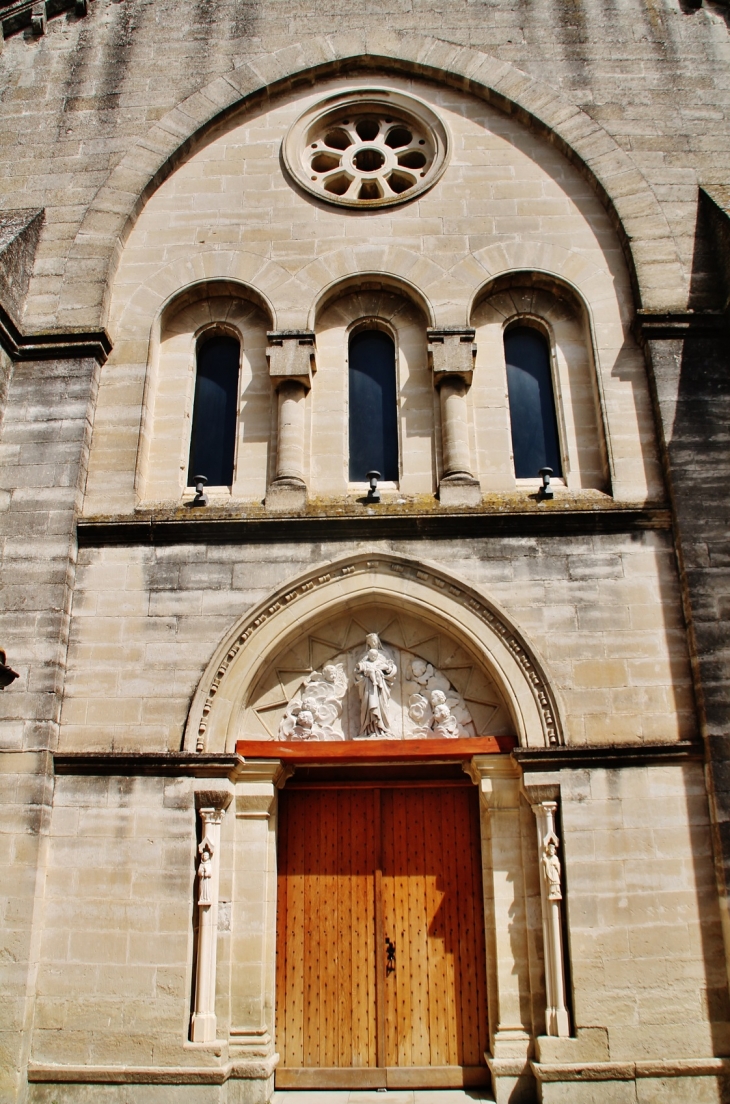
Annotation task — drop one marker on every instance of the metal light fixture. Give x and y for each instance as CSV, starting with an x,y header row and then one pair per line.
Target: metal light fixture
x,y
201,498
546,490
7,674
373,493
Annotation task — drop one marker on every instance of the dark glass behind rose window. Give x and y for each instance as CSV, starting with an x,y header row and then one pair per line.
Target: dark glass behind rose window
x,y
373,406
213,438
535,442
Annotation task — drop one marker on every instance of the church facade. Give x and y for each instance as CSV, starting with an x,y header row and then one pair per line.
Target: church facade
x,y
365,574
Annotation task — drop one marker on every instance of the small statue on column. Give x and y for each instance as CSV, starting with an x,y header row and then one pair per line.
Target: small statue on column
x,y
551,870
205,872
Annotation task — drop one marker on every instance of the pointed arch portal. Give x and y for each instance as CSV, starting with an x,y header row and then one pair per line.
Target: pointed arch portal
x,y
325,615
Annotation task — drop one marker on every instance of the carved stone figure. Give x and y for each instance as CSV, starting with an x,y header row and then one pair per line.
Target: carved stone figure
x,y
315,713
374,676
205,873
551,869
442,714
445,724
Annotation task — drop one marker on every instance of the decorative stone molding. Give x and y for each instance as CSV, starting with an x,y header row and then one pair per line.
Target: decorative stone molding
x,y
257,633
291,357
367,148
211,804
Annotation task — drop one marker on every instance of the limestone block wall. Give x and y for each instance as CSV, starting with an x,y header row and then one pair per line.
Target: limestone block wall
x,y
43,449
651,75
642,911
602,611
116,951
647,977
507,201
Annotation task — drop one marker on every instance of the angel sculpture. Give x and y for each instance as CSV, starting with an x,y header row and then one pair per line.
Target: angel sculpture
x,y
315,712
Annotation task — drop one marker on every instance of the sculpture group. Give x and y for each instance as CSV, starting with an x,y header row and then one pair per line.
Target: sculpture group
x,y
435,710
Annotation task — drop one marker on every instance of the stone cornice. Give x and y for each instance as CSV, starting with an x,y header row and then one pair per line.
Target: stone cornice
x,y
161,764
52,346
15,15
366,523
608,758
675,325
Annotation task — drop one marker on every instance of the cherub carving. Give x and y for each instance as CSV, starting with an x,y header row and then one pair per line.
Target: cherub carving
x,y
315,712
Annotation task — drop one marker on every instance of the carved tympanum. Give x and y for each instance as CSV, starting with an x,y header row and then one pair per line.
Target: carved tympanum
x,y
347,682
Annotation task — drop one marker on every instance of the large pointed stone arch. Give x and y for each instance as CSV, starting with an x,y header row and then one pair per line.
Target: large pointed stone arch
x,y
650,249
416,586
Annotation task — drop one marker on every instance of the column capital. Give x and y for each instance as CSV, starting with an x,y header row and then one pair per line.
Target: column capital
x,y
451,353
292,356
497,777
214,794
541,786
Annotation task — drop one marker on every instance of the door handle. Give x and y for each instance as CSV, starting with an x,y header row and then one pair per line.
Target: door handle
x,y
389,956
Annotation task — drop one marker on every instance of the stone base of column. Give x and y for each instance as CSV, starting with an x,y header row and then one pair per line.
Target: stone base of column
x,y
513,1081
286,496
203,1027
460,490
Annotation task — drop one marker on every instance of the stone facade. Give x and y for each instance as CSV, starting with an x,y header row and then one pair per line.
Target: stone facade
x,y
145,202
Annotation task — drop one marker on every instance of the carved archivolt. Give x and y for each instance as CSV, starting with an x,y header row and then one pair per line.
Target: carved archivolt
x,y
232,694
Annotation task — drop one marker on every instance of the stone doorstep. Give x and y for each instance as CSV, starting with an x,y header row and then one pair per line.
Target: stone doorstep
x,y
629,1071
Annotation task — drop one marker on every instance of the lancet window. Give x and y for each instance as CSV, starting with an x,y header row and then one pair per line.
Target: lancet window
x,y
535,441
373,406
215,409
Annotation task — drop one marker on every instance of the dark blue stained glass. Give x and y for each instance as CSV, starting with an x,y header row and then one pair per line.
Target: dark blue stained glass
x,y
535,441
373,406
213,439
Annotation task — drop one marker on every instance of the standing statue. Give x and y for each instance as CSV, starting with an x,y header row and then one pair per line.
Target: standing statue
x,y
374,675
205,873
551,868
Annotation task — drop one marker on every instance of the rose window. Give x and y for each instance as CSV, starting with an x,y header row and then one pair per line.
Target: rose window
x,y
359,151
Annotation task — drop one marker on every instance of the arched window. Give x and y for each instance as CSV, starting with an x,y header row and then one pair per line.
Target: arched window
x,y
213,438
535,442
373,406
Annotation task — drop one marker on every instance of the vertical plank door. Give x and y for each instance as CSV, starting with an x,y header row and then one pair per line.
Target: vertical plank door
x,y
325,979
435,996
360,868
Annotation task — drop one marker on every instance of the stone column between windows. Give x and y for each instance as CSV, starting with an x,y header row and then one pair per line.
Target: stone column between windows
x,y
452,355
291,365
211,804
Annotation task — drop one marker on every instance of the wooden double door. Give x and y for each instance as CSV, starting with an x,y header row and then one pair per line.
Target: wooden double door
x,y
381,977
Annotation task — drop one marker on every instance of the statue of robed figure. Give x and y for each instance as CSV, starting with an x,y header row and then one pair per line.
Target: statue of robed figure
x,y
374,675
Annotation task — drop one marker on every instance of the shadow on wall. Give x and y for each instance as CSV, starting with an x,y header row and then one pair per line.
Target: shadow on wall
x,y
693,392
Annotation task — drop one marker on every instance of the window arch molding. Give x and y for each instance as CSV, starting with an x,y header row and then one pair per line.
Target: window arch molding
x,y
555,310
191,317
350,308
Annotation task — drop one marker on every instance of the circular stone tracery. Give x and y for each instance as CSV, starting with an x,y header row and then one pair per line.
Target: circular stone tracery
x,y
367,149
